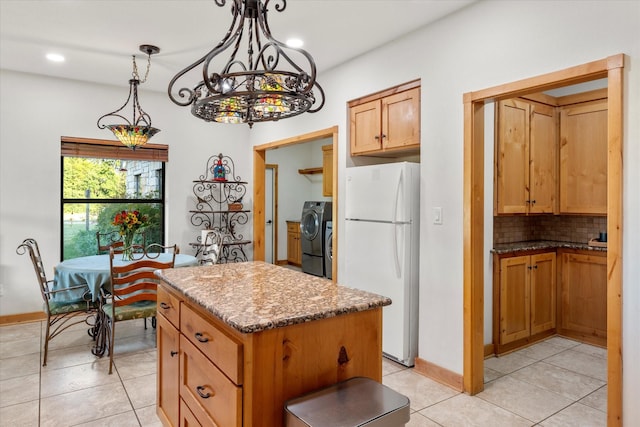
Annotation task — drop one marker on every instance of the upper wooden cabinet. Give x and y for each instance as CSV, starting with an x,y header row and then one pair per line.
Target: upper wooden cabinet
x,y
526,156
583,158
327,170
386,123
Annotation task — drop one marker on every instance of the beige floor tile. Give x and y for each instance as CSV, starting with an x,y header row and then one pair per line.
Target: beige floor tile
x,y
126,419
70,356
141,390
597,399
508,363
420,390
541,350
20,366
20,415
559,380
591,350
20,331
577,415
84,405
562,342
389,367
464,410
73,337
419,420
523,399
148,417
136,365
20,390
20,347
78,377
581,363
490,374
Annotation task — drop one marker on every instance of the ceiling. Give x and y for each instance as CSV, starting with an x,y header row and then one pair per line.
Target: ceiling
x,y
98,37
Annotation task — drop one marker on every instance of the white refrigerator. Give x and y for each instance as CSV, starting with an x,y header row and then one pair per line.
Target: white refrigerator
x,y
381,244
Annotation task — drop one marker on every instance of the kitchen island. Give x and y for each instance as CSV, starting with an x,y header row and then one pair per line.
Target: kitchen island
x,y
236,341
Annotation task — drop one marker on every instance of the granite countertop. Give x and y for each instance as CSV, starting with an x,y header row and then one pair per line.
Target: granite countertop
x,y
543,244
255,296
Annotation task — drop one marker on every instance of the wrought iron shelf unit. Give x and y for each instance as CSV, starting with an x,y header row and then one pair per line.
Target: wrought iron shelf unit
x,y
218,207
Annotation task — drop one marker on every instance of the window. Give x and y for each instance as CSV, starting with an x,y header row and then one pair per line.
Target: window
x,y
101,178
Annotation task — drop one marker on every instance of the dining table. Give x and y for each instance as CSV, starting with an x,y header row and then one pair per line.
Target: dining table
x,y
95,272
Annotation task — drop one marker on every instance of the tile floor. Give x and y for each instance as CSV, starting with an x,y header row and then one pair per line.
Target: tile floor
x,y
554,383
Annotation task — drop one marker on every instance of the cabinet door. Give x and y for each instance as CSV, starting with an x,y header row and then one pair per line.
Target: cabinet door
x,y
584,294
543,292
543,159
168,389
514,299
327,170
294,250
401,120
583,158
513,157
364,125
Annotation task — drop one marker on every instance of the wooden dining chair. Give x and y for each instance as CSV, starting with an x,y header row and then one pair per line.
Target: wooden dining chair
x,y
133,289
62,307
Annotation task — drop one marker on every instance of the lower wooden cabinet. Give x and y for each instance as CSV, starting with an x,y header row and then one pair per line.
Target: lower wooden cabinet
x,y
583,290
525,296
168,386
294,248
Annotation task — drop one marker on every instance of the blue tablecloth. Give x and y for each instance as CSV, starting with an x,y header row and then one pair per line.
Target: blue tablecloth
x,y
94,272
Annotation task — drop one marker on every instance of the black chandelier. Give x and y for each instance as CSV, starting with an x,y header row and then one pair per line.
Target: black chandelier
x,y
137,131
267,87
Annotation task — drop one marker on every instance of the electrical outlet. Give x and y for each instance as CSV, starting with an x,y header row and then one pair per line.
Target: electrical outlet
x,y
437,215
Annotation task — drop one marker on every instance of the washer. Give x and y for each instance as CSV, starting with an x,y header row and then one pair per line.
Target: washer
x,y
312,224
328,249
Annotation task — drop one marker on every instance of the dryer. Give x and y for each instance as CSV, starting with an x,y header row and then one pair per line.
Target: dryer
x,y
328,249
312,232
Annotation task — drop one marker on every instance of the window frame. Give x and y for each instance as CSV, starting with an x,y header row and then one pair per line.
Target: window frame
x,y
107,149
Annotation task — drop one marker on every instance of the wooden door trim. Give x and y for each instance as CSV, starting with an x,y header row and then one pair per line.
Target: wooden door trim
x,y
473,243
259,164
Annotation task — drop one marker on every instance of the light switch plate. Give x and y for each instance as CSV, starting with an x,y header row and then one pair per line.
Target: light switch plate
x,y
437,215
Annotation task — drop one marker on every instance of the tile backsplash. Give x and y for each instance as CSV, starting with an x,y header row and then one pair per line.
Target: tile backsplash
x,y
562,228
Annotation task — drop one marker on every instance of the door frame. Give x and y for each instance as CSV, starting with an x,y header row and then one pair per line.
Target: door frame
x,y
611,68
259,164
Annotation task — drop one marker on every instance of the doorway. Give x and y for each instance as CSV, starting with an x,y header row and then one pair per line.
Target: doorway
x,y
610,68
271,214
259,188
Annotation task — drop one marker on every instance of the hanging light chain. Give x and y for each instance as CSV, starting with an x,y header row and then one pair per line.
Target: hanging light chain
x,y
135,69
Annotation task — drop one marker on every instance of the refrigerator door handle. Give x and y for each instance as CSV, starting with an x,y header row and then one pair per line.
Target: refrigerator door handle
x,y
395,227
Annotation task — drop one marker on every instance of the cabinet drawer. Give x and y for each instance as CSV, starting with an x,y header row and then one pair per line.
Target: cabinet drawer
x,y
169,306
212,398
212,342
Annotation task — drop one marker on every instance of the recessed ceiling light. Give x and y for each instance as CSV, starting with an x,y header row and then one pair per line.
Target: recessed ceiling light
x,y
55,57
293,42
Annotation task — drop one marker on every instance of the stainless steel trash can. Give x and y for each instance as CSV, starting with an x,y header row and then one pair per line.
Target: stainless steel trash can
x,y
351,403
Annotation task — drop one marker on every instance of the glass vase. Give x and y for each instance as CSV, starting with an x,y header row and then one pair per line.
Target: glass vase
x,y
127,249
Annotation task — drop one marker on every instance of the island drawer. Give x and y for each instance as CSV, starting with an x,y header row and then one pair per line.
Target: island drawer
x,y
169,306
221,349
211,397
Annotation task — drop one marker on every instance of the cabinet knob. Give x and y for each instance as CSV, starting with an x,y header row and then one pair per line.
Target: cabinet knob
x,y
164,305
201,337
200,391
377,137
173,353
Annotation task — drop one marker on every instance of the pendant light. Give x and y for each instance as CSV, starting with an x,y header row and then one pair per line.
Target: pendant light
x,y
266,87
135,132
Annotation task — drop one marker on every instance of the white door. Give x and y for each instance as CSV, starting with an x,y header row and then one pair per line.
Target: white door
x,y
269,214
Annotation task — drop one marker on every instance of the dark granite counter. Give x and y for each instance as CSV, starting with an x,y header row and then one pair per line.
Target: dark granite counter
x,y
543,244
255,296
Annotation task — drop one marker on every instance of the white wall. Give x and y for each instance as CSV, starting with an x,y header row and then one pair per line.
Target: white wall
x,y
487,44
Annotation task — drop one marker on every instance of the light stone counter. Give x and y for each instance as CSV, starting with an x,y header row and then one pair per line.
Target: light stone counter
x,y
256,296
506,248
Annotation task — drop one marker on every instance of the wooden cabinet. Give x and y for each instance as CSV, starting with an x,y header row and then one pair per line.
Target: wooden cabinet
x,y
386,123
583,295
327,170
526,158
168,343
294,248
583,158
524,298
228,378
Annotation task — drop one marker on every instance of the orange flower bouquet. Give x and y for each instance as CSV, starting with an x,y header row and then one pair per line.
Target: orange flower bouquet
x,y
128,222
